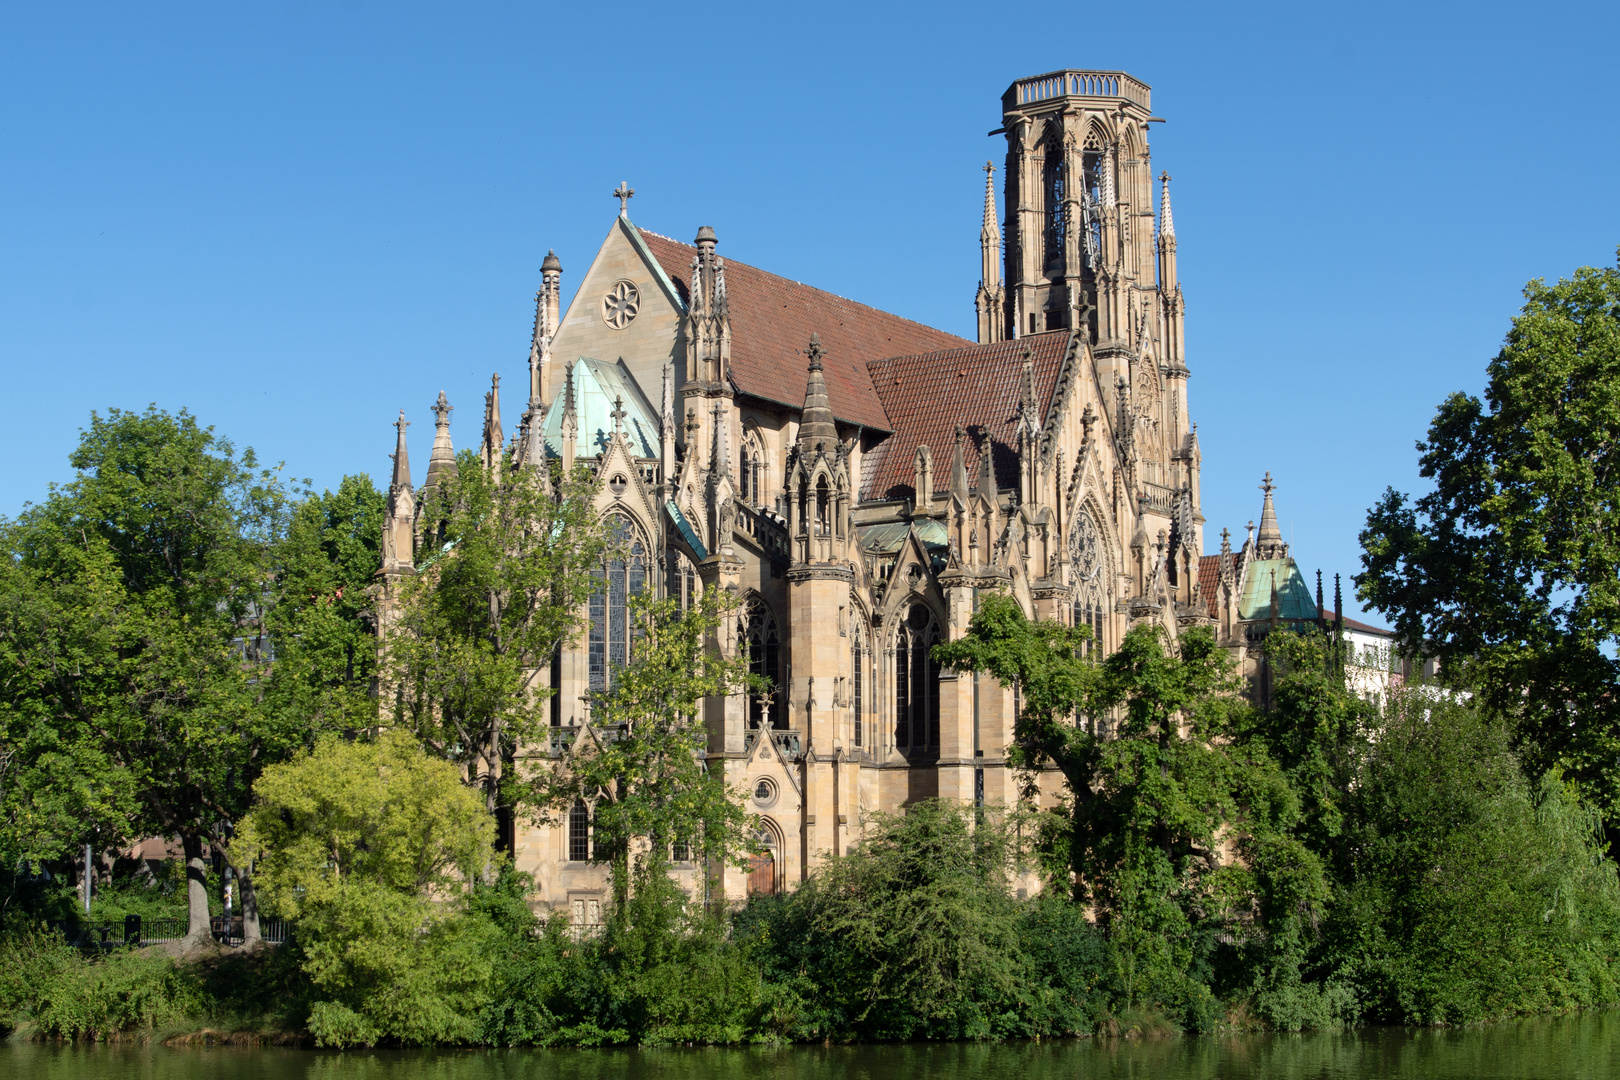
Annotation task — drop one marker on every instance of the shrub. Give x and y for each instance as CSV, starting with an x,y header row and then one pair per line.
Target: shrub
x,y
65,994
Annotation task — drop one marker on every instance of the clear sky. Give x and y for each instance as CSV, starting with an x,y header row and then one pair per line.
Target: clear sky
x,y
295,219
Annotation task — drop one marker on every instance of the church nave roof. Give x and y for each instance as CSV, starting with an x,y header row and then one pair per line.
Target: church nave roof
x,y
773,317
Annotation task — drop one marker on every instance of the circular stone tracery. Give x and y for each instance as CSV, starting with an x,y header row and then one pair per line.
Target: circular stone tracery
x,y
621,305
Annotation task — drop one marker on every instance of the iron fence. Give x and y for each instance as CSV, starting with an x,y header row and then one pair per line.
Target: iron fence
x,y
137,932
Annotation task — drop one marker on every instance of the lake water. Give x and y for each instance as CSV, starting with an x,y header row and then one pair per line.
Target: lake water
x,y
1567,1049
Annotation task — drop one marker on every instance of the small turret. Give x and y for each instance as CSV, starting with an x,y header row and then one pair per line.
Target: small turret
x,y
816,426
1270,541
398,543
442,462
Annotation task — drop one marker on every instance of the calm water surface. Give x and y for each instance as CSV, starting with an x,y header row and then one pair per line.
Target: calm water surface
x,y
1568,1049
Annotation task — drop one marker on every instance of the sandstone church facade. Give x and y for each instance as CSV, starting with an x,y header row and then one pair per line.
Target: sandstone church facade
x,y
858,480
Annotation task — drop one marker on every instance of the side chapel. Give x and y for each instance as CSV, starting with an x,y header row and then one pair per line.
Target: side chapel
x,y
858,480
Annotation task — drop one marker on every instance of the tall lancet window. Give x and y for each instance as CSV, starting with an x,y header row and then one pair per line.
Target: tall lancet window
x,y
758,640
1085,561
751,467
1088,612
823,508
916,683
621,576
858,681
1055,181
682,582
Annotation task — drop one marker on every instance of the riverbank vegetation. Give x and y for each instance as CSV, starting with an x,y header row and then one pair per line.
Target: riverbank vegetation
x,y
188,650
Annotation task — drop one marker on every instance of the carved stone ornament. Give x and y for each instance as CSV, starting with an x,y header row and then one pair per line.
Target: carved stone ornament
x,y
1085,551
621,305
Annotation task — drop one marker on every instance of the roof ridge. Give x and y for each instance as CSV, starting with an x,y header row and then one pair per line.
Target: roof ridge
x,y
730,262
959,348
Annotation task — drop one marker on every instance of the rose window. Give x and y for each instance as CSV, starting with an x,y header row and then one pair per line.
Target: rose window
x,y
621,305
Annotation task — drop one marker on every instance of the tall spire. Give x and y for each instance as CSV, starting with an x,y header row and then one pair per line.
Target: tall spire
x,y
666,431
959,477
402,457
398,540
1270,541
494,440
816,425
569,428
991,301
1167,221
442,462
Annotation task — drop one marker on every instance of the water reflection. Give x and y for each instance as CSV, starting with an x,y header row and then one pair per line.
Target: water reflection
x,y
1567,1049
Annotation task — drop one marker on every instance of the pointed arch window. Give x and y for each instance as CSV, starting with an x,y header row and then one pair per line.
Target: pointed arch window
x,y
751,467
622,575
1088,612
758,640
823,508
682,582
1055,179
916,683
859,680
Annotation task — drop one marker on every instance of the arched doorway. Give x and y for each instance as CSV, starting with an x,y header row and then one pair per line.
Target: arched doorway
x,y
762,863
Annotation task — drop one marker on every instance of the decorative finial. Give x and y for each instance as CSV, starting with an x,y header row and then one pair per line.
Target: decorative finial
x,y
1266,485
815,352
1167,223
623,193
441,411
401,424
618,412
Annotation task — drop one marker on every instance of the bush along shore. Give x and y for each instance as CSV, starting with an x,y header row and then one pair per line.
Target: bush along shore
x,y
1450,890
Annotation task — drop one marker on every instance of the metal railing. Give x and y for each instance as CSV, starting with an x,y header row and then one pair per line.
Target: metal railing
x,y
1081,84
136,932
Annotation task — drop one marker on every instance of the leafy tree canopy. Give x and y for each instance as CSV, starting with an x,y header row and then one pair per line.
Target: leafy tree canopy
x,y
641,765
501,588
1509,569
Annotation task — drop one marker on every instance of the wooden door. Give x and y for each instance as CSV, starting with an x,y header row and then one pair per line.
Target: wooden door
x,y
762,874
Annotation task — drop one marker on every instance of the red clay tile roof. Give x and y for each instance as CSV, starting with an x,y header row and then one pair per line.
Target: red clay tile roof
x,y
772,319
927,395
1209,581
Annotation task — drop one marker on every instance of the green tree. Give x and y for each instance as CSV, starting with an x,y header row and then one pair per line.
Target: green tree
x,y
1467,892
913,934
1147,742
320,619
373,848
131,634
501,588
641,764
1509,569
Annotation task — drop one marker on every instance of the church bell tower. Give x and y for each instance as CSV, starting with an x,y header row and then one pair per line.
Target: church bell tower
x,y
1079,206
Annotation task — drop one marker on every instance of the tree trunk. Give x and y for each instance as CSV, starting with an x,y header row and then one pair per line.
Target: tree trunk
x,y
198,932
250,910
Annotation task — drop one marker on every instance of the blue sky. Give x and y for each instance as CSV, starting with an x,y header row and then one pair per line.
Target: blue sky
x,y
295,219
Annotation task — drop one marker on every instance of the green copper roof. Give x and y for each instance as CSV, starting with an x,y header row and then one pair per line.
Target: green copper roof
x,y
596,385
886,539
1293,595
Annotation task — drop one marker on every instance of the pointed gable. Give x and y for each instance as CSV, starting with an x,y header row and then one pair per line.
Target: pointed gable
x,y
773,317
926,396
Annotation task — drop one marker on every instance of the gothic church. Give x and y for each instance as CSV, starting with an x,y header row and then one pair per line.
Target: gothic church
x,y
858,480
